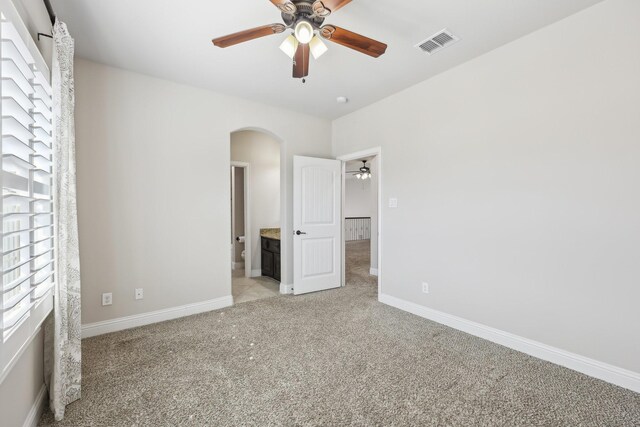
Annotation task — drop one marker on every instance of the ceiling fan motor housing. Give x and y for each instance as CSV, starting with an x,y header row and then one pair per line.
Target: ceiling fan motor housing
x,y
306,10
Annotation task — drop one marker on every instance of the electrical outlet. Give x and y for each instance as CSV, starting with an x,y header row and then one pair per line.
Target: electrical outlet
x,y
139,293
393,203
107,299
425,287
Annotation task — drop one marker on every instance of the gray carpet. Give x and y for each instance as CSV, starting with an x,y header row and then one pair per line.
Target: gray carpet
x,y
331,358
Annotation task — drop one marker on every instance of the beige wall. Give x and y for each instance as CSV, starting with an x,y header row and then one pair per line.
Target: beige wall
x,y
262,152
154,186
18,392
524,216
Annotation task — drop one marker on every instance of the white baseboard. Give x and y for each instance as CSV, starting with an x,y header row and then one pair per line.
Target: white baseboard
x,y
373,271
122,323
37,408
603,371
256,273
237,265
286,289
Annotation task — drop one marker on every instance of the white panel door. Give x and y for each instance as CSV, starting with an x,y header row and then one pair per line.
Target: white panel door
x,y
317,227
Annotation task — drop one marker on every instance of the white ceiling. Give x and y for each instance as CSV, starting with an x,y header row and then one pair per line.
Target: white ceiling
x,y
171,39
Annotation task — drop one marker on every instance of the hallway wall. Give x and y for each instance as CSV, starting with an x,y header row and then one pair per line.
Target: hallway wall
x,y
357,198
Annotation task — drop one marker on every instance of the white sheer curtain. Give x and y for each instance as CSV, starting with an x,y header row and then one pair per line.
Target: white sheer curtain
x,y
63,329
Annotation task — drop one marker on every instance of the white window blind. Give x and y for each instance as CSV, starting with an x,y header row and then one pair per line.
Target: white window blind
x,y
27,206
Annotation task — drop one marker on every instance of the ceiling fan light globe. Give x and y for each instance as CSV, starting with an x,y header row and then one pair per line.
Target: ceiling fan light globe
x,y
303,32
358,176
318,48
289,46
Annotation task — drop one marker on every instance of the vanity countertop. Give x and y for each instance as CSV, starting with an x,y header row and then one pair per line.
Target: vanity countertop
x,y
270,233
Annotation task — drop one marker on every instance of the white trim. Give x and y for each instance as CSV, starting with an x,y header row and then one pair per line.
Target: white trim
x,y
593,368
232,173
11,13
371,152
256,273
122,323
286,289
36,409
373,271
247,214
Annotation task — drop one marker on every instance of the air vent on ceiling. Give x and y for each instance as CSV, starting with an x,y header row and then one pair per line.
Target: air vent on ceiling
x,y
437,42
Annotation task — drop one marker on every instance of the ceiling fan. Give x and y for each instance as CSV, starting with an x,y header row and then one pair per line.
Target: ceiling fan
x,y
306,19
363,173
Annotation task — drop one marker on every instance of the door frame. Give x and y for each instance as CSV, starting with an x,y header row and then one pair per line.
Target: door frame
x,y
247,213
371,152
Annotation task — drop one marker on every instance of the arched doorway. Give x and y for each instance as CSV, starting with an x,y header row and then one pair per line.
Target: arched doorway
x,y
257,214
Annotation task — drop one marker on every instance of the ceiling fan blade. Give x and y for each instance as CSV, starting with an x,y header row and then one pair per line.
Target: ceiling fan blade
x,y
285,6
334,5
245,36
353,41
301,62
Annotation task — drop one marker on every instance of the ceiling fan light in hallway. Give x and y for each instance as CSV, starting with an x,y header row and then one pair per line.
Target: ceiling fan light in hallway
x,y
364,172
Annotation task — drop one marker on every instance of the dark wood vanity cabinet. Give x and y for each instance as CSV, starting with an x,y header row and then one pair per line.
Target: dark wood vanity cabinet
x,y
270,258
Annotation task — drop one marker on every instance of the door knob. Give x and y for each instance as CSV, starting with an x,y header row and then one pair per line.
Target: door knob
x,y
300,232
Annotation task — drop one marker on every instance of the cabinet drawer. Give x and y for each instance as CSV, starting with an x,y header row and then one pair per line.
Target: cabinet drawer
x,y
271,245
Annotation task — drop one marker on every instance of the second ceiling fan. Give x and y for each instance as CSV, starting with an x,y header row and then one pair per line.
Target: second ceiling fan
x,y
306,19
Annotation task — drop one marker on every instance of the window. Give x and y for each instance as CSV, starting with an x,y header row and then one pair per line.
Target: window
x,y
27,205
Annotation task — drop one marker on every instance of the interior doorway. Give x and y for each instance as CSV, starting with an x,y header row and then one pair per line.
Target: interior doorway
x,y
361,218
240,218
255,215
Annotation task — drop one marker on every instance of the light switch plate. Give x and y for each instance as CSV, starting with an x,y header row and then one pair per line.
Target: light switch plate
x,y
393,203
139,293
